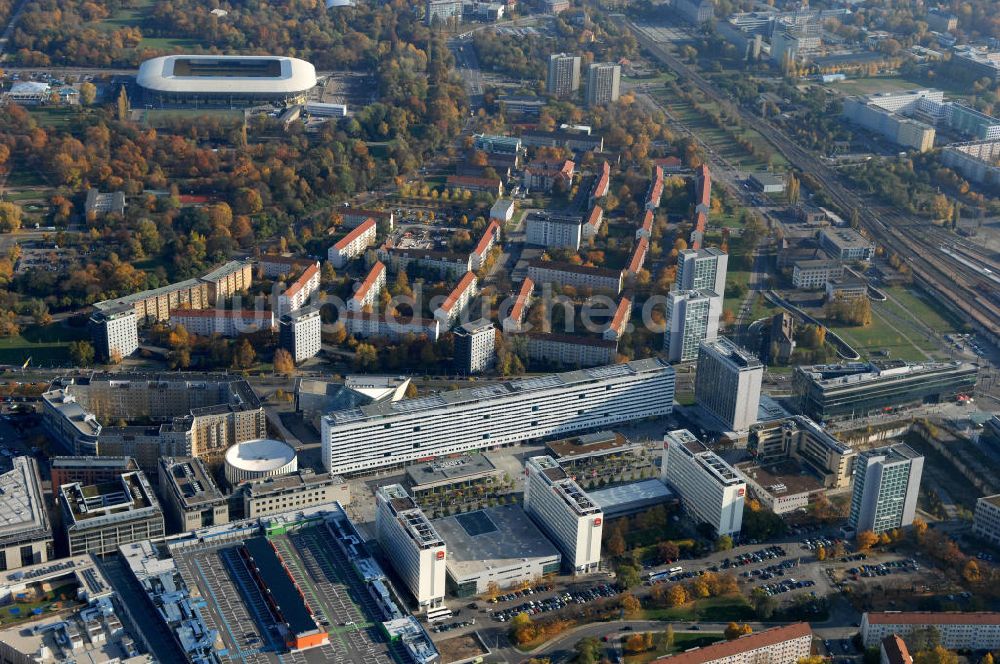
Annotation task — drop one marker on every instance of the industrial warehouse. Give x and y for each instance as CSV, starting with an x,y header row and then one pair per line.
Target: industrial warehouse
x,y
225,81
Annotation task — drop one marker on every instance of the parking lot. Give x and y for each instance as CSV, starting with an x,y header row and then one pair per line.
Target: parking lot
x,y
534,607
336,596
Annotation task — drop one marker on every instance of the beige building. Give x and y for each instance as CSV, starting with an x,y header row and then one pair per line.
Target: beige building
x,y
99,518
224,282
808,443
191,499
201,414
779,645
294,491
986,520
25,532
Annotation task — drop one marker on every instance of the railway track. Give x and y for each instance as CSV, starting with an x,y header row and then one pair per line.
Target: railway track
x,y
954,283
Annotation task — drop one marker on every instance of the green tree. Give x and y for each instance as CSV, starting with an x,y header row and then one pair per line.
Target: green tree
x,y
724,543
122,105
82,353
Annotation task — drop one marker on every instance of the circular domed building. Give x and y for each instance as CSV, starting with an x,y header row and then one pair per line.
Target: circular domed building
x,y
262,457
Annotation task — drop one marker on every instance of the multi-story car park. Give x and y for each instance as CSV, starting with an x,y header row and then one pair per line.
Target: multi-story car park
x,y
858,389
886,484
100,518
394,434
978,630
25,532
411,544
563,511
710,489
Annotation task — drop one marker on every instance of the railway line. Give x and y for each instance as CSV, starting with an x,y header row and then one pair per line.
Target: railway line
x,y
958,286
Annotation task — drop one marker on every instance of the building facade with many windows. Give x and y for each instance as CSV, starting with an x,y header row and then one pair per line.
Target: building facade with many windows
x,y
413,546
563,511
886,483
411,430
727,384
711,490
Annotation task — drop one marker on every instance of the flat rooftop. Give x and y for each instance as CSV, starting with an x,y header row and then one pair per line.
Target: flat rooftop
x,y
493,538
624,498
303,479
591,444
786,478
23,514
123,498
190,481
280,585
449,470
486,393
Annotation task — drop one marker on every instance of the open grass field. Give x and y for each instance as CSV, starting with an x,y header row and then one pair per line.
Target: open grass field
x,y
884,337
53,116
917,304
157,117
867,86
46,345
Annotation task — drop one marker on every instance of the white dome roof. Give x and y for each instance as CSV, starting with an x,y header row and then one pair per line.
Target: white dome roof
x,y
260,455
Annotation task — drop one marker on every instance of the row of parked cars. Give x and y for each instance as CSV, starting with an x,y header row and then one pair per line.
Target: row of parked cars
x,y
884,569
771,571
517,594
770,553
813,544
785,586
454,625
534,607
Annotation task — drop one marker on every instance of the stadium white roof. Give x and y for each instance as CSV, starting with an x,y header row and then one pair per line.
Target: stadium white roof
x,y
172,73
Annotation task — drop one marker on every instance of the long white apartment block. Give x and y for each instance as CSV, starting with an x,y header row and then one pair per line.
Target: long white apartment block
x,y
692,317
368,290
411,543
378,435
711,490
974,630
353,244
564,512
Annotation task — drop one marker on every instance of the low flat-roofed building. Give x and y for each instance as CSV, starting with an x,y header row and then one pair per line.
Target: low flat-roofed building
x,y
102,203
975,630
627,499
782,487
816,272
25,531
89,469
850,286
192,500
100,517
82,625
297,490
801,439
779,645
499,545
602,457
767,183
846,244
446,475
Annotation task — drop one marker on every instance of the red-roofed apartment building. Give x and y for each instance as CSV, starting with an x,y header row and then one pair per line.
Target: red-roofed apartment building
x,y
638,257
490,237
894,651
300,290
368,290
703,186
646,226
512,322
542,174
778,645
602,184
593,223
353,244
979,630
623,313
457,301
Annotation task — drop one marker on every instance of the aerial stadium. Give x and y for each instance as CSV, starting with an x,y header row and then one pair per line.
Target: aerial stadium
x,y
225,81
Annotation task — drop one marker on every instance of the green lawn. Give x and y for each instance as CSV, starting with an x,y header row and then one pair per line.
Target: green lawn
x,y
711,609
155,117
167,43
54,116
45,345
916,303
880,336
682,641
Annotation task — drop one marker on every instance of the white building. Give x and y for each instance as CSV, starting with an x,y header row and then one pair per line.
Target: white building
x,y
692,317
365,325
300,333
503,210
300,291
787,644
564,74
482,249
570,350
224,322
457,301
711,490
25,531
702,269
413,546
353,244
603,83
986,520
564,512
727,384
475,346
886,483
393,434
367,292
115,332
814,273
553,231
578,276
978,630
